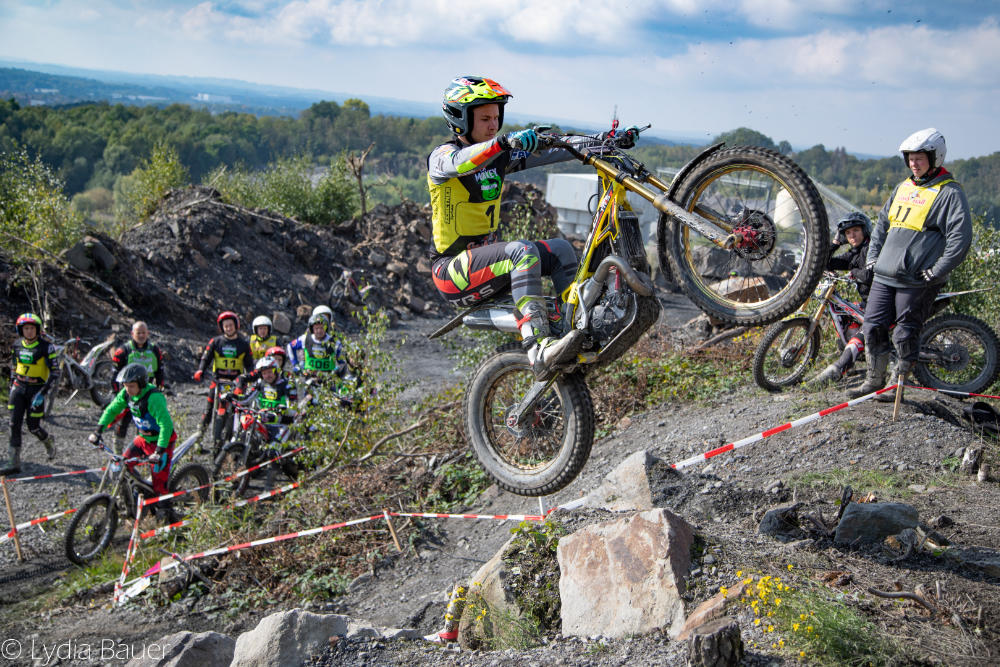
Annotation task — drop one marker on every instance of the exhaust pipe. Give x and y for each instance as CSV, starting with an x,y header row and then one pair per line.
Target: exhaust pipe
x,y
491,318
591,289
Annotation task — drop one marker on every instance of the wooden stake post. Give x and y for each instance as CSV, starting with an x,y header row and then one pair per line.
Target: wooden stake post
x,y
899,396
10,515
392,530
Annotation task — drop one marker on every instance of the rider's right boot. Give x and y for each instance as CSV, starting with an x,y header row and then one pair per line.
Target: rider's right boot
x,y
199,434
13,464
119,444
875,377
545,351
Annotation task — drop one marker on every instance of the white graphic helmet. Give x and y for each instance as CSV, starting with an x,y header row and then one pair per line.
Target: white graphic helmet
x,y
928,141
324,312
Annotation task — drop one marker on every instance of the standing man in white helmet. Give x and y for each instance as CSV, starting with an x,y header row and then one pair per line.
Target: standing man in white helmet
x,y
923,232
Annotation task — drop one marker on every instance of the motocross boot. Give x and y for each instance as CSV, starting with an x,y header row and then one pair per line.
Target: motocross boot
x,y
50,446
828,375
875,377
13,464
545,351
898,373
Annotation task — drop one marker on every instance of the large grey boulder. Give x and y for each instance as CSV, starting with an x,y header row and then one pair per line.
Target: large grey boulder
x,y
625,577
187,649
287,639
873,522
640,482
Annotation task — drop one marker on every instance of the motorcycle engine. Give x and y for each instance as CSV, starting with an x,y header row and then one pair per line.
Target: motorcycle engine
x,y
608,317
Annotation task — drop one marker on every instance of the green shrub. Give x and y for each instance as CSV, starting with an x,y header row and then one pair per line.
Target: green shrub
x,y
292,188
34,209
138,194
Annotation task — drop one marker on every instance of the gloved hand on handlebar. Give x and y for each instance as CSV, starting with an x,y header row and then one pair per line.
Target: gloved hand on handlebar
x,y
526,140
95,437
628,137
198,375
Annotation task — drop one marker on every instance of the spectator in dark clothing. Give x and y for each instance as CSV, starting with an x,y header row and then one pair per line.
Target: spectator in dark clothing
x,y
854,230
923,232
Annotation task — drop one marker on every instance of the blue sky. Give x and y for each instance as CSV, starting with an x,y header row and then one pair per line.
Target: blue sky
x,y
862,75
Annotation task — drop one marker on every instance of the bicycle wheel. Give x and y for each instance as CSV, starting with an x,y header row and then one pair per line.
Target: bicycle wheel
x,y
102,390
772,204
231,460
785,353
91,529
543,456
189,476
959,353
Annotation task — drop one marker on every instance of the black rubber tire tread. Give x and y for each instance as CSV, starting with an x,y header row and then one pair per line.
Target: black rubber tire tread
x,y
577,439
648,312
980,330
775,332
230,460
102,399
189,476
815,223
108,528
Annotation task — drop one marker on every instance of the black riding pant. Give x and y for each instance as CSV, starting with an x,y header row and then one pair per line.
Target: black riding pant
x,y
19,405
905,307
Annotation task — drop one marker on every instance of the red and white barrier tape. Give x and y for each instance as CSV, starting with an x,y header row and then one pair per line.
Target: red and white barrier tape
x,y
34,522
138,585
494,517
177,494
55,474
133,545
778,429
241,503
951,391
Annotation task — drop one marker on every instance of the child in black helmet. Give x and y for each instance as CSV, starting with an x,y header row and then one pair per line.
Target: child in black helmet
x,y
854,230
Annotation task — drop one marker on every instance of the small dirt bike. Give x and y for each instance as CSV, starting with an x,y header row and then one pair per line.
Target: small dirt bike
x,y
81,371
93,525
252,443
957,352
742,230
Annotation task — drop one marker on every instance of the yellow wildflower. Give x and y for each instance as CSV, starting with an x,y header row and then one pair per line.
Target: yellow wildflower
x,y
789,567
723,590
756,621
795,627
770,628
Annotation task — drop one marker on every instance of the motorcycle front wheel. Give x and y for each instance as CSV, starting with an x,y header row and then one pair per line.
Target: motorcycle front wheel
x,y
768,201
958,353
232,459
785,353
90,530
545,454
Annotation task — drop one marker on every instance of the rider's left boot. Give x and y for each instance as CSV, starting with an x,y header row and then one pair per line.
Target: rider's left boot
x,y
50,446
545,352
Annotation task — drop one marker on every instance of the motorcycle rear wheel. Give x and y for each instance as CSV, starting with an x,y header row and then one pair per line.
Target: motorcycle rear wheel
x,y
102,390
785,353
544,456
967,350
770,201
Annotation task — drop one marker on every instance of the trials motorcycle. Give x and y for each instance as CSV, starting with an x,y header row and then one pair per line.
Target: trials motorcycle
x,y
742,231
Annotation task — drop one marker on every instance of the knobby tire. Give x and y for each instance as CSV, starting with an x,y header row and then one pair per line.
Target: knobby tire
x,y
780,265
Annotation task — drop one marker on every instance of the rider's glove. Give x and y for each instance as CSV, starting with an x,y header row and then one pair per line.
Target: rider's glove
x,y
225,397
526,140
95,437
38,400
197,375
627,138
927,275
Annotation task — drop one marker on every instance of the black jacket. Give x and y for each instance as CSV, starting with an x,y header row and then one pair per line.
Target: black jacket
x,y
854,261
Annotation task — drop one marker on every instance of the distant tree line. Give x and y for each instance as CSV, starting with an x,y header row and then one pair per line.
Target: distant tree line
x,y
90,148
